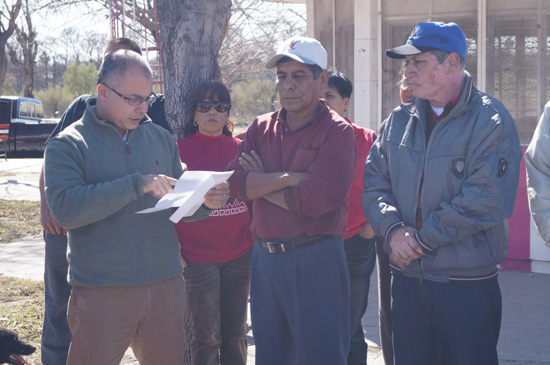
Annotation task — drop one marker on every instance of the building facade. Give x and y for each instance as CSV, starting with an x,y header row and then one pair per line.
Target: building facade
x,y
508,57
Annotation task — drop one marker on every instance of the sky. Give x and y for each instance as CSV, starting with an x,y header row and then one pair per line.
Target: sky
x,y
50,24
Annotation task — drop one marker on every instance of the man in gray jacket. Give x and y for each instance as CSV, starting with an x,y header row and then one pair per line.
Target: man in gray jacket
x,y
440,183
124,268
537,162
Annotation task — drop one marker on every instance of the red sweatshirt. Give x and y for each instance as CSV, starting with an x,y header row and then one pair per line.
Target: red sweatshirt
x,y
325,149
225,234
364,138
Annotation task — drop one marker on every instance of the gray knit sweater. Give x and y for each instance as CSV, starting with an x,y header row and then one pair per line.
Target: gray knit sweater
x,y
94,182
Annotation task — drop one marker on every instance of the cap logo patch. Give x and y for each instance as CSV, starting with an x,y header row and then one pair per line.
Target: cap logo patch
x,y
502,166
293,44
458,166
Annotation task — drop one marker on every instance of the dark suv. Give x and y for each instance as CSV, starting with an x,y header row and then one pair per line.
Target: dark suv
x,y
23,126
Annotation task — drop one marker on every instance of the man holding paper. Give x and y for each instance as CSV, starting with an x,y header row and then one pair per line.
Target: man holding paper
x,y
297,166
124,267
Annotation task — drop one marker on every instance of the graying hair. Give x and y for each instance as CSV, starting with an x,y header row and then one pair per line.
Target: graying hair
x,y
442,56
115,64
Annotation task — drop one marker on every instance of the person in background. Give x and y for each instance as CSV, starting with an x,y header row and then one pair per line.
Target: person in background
x,y
56,335
537,163
216,250
440,183
359,240
297,165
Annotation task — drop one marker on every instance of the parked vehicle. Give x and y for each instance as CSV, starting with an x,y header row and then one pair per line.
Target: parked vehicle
x,y
23,126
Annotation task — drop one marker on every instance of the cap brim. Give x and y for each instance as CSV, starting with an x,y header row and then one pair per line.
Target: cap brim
x,y
402,51
273,60
407,50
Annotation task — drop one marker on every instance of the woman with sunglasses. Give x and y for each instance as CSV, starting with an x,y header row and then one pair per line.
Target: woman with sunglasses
x,y
216,250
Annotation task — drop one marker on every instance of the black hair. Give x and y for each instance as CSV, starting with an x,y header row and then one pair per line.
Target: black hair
x,y
123,43
340,82
213,91
115,64
316,70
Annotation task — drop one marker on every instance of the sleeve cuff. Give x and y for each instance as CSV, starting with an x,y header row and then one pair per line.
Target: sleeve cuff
x,y
200,214
289,199
138,181
389,231
427,249
237,184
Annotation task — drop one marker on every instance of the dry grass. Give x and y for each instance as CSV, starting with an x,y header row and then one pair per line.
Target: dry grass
x,y
21,301
21,310
19,219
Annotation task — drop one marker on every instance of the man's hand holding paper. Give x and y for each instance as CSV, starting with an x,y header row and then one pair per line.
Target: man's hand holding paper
x,y
216,197
158,185
193,189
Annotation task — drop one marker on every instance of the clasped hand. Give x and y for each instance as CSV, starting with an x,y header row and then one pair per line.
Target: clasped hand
x,y
404,247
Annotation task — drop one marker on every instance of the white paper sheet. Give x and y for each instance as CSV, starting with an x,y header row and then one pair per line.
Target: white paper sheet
x,y
189,192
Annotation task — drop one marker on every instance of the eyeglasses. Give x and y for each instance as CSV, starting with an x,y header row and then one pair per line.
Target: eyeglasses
x,y
220,106
134,101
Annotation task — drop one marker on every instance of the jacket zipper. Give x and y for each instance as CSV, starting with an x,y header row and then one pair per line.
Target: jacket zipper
x,y
423,179
129,153
421,278
420,268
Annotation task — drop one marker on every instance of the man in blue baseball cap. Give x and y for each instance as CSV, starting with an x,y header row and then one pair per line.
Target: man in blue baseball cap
x,y
440,183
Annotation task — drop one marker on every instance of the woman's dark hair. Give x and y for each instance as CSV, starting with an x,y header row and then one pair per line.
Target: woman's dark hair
x,y
340,82
212,91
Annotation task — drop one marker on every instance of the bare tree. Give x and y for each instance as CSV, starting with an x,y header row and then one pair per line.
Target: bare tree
x,y
26,58
8,15
255,29
45,60
92,44
135,14
192,33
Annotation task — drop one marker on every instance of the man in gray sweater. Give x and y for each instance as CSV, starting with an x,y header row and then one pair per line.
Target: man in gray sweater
x,y
124,267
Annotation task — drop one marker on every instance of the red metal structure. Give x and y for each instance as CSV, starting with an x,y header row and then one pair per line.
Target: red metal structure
x,y
135,19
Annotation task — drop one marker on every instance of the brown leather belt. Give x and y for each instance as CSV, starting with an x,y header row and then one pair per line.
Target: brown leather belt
x,y
283,245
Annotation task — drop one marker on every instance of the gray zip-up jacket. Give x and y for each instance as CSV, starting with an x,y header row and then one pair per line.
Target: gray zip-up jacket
x,y
537,162
94,186
470,173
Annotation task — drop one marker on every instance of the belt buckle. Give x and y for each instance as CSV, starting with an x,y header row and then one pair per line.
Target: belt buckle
x,y
275,247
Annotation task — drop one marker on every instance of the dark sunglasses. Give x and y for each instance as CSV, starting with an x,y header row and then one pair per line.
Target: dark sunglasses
x,y
220,106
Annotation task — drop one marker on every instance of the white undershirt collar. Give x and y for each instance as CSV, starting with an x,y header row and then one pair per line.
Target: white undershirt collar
x,y
437,111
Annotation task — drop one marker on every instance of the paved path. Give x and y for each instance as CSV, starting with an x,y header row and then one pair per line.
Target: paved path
x,y
524,335
19,179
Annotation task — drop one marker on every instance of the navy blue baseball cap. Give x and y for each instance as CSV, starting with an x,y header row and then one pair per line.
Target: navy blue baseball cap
x,y
426,37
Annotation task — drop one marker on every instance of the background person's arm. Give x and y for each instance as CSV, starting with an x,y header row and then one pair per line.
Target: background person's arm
x,y
47,220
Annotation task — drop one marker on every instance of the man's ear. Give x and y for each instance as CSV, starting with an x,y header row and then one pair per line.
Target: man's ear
x,y
453,62
102,92
346,104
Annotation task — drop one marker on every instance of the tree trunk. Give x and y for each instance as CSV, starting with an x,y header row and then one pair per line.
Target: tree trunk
x,y
191,36
3,64
6,32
